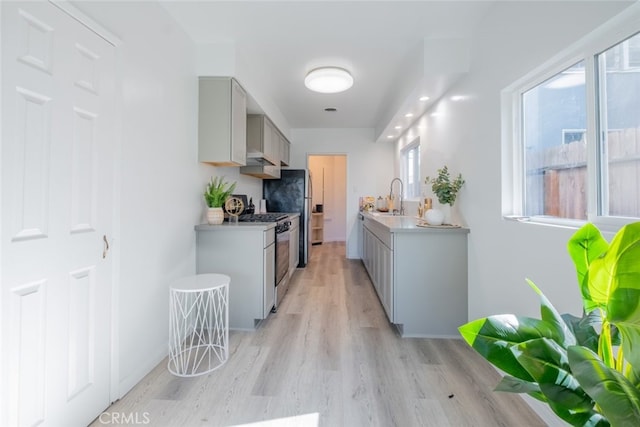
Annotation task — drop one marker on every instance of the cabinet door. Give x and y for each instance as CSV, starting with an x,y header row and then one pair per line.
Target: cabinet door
x,y
267,136
366,249
238,124
285,147
222,122
274,147
387,281
269,279
375,263
378,260
293,250
267,141
371,253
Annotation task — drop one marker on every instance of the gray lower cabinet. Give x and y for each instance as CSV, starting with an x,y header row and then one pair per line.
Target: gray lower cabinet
x,y
420,277
294,244
268,282
247,256
378,260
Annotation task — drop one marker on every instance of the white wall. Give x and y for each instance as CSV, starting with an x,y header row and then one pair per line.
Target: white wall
x,y
160,186
369,171
467,137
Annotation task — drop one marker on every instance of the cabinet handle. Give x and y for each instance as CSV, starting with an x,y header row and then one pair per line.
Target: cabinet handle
x,y
106,246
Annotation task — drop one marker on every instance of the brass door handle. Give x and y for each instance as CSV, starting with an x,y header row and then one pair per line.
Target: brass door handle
x,y
106,246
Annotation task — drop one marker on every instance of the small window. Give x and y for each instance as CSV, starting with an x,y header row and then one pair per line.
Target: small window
x,y
553,137
411,170
573,135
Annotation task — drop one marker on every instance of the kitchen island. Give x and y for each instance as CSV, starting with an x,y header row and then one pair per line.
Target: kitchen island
x,y
419,273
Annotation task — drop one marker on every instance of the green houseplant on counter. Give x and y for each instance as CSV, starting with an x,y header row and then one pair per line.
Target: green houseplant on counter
x,y
216,193
586,369
446,190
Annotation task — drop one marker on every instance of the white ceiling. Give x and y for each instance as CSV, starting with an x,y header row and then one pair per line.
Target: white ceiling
x,y
380,42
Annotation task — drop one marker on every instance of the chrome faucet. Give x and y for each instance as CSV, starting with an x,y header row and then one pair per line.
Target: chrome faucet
x,y
401,211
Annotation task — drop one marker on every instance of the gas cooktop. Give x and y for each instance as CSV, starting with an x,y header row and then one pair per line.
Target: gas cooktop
x,y
265,217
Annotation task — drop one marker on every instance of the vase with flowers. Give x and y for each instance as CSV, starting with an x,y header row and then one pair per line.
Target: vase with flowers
x,y
446,190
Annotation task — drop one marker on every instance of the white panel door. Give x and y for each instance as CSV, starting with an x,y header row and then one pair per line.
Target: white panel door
x,y
56,217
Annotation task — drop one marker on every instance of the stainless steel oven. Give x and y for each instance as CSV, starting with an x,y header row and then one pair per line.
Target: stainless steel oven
x,y
282,259
283,223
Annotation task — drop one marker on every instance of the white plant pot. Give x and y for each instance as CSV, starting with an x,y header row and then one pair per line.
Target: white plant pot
x,y
434,217
215,216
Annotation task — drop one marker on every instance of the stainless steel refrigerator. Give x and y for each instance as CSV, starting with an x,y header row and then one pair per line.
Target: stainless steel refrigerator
x,y
292,193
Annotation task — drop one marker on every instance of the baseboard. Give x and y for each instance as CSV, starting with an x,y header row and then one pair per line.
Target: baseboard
x,y
129,382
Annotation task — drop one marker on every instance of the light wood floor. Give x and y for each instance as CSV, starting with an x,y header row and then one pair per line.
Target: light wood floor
x,y
330,351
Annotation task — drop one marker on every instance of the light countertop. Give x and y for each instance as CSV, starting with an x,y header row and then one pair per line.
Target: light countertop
x,y
402,224
240,226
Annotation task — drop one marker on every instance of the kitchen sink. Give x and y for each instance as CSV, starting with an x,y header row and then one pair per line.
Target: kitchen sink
x,y
385,214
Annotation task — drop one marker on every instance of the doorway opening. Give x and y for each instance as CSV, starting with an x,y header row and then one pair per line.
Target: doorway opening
x,y
329,179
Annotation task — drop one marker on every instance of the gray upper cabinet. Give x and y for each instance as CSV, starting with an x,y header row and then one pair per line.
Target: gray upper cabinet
x,y
222,122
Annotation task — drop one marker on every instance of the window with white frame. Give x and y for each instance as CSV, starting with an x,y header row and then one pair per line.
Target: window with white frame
x,y
576,135
619,132
410,157
554,165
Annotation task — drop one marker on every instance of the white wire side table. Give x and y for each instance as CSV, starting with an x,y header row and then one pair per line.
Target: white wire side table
x,y
198,324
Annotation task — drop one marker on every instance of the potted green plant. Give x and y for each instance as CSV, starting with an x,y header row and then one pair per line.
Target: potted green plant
x,y
587,369
216,193
446,190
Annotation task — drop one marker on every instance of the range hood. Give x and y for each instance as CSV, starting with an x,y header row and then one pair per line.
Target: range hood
x,y
258,158
264,172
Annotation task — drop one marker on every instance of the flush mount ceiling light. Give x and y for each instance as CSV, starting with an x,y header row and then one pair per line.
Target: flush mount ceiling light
x,y
328,80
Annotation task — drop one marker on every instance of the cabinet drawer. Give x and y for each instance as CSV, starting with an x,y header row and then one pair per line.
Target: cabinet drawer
x,y
269,237
380,231
295,222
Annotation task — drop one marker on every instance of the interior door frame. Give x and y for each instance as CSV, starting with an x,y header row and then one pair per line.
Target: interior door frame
x,y
346,184
116,42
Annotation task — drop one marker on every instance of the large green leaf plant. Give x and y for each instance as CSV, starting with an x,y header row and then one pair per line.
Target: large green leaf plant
x,y
587,369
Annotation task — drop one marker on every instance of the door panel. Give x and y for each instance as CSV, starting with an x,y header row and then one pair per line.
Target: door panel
x,y
27,302
83,168
57,154
29,193
81,331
